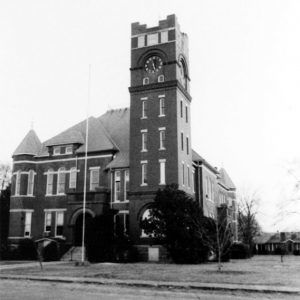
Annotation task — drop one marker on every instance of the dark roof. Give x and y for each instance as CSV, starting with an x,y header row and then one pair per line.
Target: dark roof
x,y
225,180
263,238
116,123
31,144
198,158
98,140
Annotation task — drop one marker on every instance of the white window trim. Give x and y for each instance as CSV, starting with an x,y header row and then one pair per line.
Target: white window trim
x,y
18,183
28,182
162,161
115,186
146,81
161,78
45,213
63,171
125,191
92,169
144,162
160,110
144,112
160,129
143,132
183,175
28,213
74,171
55,231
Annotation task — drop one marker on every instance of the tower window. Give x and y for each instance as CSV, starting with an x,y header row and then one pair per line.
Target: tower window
x,y
162,168
117,185
144,140
69,150
162,138
181,109
183,173
145,80
144,173
186,114
161,78
61,181
187,145
94,178
144,109
56,151
30,183
182,144
188,176
162,107
18,183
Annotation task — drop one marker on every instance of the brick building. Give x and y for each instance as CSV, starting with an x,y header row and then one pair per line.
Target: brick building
x,y
132,152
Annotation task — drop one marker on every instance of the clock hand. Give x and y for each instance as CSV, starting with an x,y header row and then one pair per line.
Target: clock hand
x,y
153,65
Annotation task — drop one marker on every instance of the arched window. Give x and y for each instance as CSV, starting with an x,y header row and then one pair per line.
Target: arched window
x,y
73,178
161,78
49,189
145,80
61,181
18,183
145,216
30,183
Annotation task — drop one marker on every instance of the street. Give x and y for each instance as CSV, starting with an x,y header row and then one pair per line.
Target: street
x,y
30,290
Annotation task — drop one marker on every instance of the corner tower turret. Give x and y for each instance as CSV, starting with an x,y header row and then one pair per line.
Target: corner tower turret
x,y
160,135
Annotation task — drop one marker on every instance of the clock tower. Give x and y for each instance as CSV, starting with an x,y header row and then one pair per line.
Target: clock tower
x,y
160,119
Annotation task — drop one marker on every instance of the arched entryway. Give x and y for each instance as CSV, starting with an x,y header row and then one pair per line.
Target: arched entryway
x,y
77,222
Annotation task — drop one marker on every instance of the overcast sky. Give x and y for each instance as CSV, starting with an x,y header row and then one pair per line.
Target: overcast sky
x,y
244,67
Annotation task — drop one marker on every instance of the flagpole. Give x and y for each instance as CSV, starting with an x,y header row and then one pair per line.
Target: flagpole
x,y
85,167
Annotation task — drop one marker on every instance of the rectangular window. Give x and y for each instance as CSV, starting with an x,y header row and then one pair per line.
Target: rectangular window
x,y
59,226
193,181
164,36
117,185
187,145
144,109
162,107
50,175
69,150
126,189
27,229
181,109
30,183
61,181
144,173
141,41
73,178
186,114
152,39
162,139
122,223
183,173
56,151
48,219
188,176
94,178
144,141
18,183
162,165
182,143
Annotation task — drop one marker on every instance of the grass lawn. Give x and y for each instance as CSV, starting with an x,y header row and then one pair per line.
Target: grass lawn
x,y
262,270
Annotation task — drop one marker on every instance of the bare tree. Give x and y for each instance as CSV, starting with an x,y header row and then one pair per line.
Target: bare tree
x,y
248,226
5,176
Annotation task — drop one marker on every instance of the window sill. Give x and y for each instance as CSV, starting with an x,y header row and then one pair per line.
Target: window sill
x,y
143,118
144,150
162,184
60,237
144,184
160,116
160,149
27,196
118,201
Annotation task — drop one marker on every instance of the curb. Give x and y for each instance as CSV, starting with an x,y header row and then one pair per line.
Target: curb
x,y
166,285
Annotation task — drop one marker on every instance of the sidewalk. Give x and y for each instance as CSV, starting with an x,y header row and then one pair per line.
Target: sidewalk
x,y
150,284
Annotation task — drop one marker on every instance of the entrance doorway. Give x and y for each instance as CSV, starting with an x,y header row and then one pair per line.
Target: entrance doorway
x,y
78,228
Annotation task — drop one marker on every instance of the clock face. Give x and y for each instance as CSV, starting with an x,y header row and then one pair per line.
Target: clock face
x,y
153,64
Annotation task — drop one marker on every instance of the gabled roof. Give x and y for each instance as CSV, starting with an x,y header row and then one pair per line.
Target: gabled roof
x,y
196,157
226,180
31,144
116,123
98,140
278,237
